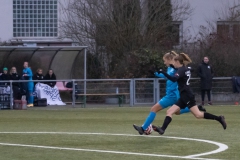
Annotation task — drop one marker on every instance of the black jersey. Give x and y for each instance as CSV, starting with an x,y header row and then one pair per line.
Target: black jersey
x,y
182,77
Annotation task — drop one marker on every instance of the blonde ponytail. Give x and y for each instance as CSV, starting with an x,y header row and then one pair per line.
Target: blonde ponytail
x,y
170,55
174,53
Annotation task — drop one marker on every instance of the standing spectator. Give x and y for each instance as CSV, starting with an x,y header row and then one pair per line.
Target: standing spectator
x,y
38,76
27,74
205,72
5,76
16,87
50,76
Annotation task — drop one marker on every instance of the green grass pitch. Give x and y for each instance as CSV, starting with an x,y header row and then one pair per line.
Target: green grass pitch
x,y
112,120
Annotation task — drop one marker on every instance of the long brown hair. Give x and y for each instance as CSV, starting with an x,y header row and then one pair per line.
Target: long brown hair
x,y
183,59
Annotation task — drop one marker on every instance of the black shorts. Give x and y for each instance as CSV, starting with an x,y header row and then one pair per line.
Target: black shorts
x,y
186,100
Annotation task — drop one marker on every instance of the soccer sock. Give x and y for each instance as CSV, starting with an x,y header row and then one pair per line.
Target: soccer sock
x,y
211,116
166,122
185,110
149,120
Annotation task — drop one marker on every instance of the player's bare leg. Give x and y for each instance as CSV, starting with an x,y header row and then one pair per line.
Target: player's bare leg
x,y
198,114
172,110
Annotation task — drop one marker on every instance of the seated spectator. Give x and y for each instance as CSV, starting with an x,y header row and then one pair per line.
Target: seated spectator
x,y
16,86
49,90
38,76
5,77
50,76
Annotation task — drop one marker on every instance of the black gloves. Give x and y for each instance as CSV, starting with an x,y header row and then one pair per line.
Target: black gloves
x,y
172,66
160,70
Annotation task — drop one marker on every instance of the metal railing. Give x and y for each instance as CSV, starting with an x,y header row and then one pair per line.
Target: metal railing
x,y
141,90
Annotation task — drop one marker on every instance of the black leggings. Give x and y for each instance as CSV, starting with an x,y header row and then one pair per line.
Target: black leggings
x,y
208,94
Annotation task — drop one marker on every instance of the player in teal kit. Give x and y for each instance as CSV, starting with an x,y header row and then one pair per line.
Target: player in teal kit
x,y
172,94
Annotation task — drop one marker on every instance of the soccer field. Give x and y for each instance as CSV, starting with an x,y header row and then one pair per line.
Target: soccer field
x,y
107,134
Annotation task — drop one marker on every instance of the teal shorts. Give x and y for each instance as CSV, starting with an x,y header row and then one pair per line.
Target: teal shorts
x,y
167,101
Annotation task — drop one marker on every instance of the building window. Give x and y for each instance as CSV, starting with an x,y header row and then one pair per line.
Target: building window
x,y
229,29
33,18
176,32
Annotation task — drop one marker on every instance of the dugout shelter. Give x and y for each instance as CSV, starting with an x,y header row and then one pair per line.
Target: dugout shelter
x,y
67,62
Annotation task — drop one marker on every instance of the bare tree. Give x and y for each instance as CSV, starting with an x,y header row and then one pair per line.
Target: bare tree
x,y
220,40
127,36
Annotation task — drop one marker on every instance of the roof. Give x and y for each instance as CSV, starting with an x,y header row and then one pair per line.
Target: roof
x,y
42,48
45,57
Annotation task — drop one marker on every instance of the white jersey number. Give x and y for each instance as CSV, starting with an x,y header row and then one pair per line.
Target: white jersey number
x,y
188,74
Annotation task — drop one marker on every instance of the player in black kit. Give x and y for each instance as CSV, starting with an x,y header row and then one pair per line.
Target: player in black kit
x,y
187,98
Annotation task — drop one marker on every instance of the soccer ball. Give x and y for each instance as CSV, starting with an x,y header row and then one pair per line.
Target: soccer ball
x,y
149,130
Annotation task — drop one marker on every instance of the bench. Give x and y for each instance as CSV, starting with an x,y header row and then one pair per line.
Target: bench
x,y
61,86
119,96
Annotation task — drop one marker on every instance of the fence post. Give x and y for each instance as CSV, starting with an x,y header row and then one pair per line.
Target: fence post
x,y
11,96
73,93
134,91
156,90
131,92
159,84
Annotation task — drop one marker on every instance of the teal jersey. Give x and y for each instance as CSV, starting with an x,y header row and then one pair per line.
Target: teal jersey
x,y
29,76
171,87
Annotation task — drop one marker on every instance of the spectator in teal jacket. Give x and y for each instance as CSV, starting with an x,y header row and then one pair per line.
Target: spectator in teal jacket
x,y
27,74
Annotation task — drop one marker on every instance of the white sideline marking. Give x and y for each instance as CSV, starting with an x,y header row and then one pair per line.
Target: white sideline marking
x,y
222,147
101,151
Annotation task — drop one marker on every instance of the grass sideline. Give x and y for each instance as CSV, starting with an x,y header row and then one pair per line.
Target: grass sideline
x,y
113,120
